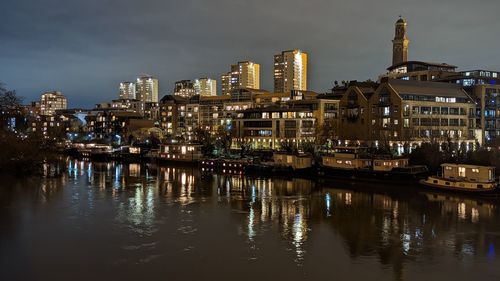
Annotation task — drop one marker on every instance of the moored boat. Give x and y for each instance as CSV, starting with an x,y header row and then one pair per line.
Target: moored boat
x,y
283,163
189,153
464,178
129,153
96,152
357,164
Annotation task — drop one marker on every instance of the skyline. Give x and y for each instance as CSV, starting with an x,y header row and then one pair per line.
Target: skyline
x,y
88,59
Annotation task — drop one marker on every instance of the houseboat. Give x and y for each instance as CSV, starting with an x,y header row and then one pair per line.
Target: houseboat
x,y
464,178
224,165
96,152
299,162
129,153
180,152
283,163
357,164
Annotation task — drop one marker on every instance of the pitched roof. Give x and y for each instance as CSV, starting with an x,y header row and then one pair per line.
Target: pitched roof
x,y
427,88
173,98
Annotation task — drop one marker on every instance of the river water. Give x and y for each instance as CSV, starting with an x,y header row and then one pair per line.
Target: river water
x,y
111,221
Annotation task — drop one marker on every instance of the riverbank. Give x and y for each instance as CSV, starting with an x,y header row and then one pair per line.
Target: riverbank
x,y
29,156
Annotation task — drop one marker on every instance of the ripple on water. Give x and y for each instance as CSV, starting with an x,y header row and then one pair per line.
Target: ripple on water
x,y
187,229
141,246
149,258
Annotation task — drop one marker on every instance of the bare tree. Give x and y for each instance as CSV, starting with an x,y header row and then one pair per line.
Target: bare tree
x,y
8,99
288,146
245,147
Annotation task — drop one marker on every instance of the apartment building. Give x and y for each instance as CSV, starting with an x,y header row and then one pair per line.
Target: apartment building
x,y
268,127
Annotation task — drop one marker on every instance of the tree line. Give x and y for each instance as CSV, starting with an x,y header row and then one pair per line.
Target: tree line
x,y
22,152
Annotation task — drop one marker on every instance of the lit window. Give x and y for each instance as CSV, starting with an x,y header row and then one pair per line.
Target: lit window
x,y
406,122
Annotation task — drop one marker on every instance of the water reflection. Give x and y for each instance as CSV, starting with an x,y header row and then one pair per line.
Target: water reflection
x,y
399,230
269,203
152,209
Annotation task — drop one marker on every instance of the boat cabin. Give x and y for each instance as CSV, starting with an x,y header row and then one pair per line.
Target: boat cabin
x,y
347,158
349,151
130,149
99,147
295,161
468,172
181,152
389,164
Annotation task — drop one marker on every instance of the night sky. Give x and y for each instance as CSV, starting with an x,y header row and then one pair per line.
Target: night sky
x,y
86,48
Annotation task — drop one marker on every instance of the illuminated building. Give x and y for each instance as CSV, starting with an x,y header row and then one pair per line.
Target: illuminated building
x,y
152,111
248,75
354,111
132,104
205,87
212,113
325,109
52,101
127,90
184,88
290,71
147,89
403,69
226,83
268,127
410,112
400,43
484,87
57,125
173,114
112,123
419,70
244,74
179,116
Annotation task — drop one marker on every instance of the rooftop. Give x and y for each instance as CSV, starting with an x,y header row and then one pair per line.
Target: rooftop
x,y
428,88
272,109
422,63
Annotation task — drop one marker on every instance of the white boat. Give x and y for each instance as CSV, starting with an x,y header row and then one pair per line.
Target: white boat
x,y
464,178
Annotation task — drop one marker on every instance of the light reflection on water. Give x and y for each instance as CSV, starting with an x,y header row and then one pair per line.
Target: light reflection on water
x,y
146,214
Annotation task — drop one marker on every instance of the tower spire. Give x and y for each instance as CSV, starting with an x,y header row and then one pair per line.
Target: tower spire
x,y
400,42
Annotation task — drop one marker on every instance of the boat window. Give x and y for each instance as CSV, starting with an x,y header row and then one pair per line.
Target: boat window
x,y
461,171
475,170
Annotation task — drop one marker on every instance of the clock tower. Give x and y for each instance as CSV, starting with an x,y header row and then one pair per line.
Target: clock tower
x,y
400,43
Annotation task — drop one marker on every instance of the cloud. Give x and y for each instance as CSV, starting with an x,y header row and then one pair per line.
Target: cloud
x,y
85,48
